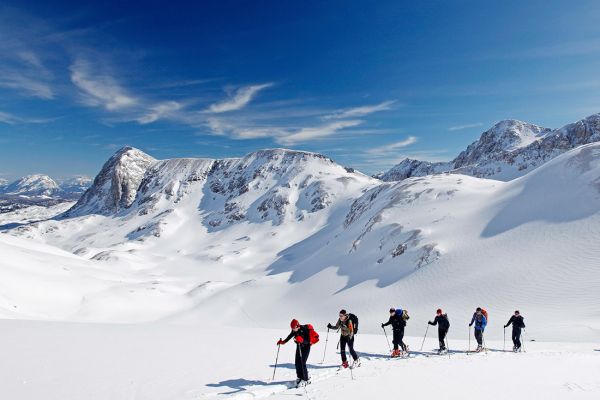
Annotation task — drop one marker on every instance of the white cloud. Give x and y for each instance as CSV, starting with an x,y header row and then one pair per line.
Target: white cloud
x,y
360,111
465,126
158,111
220,127
28,81
12,119
8,118
306,134
239,100
392,147
99,89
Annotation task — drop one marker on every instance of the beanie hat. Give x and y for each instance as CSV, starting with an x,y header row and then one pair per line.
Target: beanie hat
x,y
439,311
392,309
294,323
342,311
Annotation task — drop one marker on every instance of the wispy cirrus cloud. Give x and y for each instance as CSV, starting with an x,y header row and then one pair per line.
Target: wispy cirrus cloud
x,y
391,147
22,61
316,132
239,99
465,126
98,88
284,135
360,111
159,111
12,119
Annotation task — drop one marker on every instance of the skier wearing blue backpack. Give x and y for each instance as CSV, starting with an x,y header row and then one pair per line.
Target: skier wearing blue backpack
x,y
480,321
398,318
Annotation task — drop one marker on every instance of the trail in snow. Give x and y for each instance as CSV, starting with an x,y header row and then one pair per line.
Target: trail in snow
x,y
74,361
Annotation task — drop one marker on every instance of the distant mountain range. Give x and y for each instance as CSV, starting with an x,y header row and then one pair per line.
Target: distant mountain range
x,y
40,190
506,151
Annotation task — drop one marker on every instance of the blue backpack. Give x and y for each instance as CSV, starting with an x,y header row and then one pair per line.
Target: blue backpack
x,y
402,313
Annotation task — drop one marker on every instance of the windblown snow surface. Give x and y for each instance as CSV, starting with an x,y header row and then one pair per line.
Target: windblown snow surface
x,y
212,258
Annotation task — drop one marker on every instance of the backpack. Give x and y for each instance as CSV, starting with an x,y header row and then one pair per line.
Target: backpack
x,y
354,320
312,334
445,322
485,314
403,313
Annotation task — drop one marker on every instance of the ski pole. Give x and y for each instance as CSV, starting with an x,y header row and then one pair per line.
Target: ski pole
x,y
386,338
422,344
338,345
504,344
469,349
447,345
325,351
276,359
523,341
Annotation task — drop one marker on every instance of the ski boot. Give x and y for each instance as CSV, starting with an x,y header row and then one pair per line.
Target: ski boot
x,y
395,353
479,349
345,364
302,383
355,363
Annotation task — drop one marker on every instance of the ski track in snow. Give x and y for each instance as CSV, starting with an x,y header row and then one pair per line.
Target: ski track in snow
x,y
74,361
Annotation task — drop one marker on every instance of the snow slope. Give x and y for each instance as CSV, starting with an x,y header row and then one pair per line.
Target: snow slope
x,y
32,214
252,241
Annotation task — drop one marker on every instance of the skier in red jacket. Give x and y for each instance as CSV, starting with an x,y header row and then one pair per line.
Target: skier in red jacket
x,y
301,335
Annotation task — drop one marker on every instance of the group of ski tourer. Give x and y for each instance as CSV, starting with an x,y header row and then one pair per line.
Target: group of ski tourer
x,y
347,324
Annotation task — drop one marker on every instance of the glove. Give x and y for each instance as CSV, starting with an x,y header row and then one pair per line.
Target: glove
x,y
279,342
329,326
470,324
382,325
505,326
299,339
430,323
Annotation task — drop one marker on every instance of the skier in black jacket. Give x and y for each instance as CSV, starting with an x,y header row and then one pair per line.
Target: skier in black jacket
x,y
301,336
443,324
517,324
398,324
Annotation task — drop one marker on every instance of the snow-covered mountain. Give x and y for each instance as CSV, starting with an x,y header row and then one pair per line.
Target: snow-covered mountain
x,y
75,186
40,191
241,241
507,150
33,185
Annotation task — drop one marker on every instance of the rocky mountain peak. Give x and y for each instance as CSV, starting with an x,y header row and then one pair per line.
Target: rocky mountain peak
x,y
116,185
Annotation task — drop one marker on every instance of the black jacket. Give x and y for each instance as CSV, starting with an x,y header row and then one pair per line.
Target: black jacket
x,y
517,322
302,332
442,322
396,321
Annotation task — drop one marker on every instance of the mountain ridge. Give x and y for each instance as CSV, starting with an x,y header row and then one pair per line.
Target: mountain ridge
x,y
507,150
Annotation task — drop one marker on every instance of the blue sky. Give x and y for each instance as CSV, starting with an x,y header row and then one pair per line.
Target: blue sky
x,y
366,83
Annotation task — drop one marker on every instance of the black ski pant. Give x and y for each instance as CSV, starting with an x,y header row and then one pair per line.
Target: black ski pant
x,y
350,342
397,339
516,337
302,352
442,338
479,336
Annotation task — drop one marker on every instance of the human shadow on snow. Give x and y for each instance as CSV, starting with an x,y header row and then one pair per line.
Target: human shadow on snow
x,y
309,366
241,384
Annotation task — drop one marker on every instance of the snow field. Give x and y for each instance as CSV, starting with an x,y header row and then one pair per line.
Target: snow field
x,y
69,361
